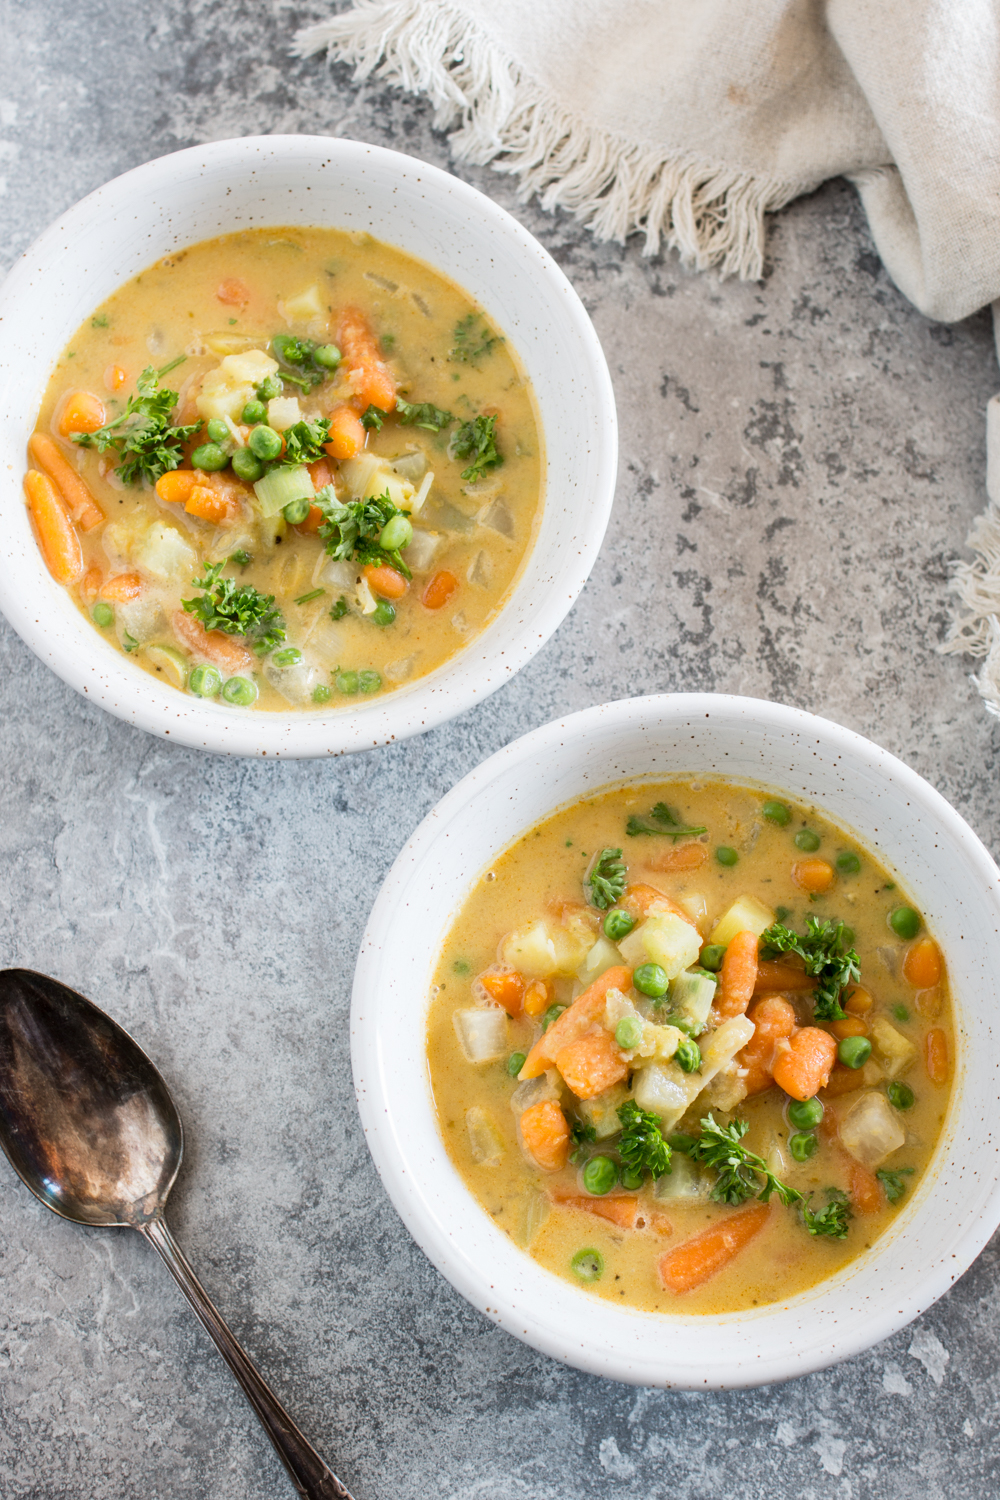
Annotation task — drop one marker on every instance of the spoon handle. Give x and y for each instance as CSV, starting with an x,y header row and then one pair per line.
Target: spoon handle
x,y
309,1474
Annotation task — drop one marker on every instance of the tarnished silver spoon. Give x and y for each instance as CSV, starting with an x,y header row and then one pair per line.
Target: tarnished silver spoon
x,y
89,1127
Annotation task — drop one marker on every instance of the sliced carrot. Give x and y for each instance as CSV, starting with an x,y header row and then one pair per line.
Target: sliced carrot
x,y
320,473
546,1134
115,377
639,900
680,857
89,584
121,588
922,964
537,998
213,645
232,292
370,375
865,1190
858,1002
175,485
621,1211
772,1017
813,875
213,505
347,436
592,1063
82,412
804,1067
781,978
936,1055
574,1022
312,522
737,976
439,590
75,492
692,1263
843,1080
57,538
505,986
848,1026
385,581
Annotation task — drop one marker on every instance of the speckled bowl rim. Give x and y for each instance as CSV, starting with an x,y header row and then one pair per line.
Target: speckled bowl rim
x,y
951,1213
174,201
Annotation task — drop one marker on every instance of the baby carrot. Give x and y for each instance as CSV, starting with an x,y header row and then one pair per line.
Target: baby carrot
x,y
79,501
56,533
89,584
537,998
737,976
639,900
574,1022
592,1063
82,412
546,1134
439,590
320,473
347,436
385,581
781,978
176,485
804,1067
858,1002
865,1191
844,1080
848,1026
683,857
212,645
505,986
115,377
813,875
232,292
692,1263
370,376
936,1055
121,588
212,505
922,964
772,1017
621,1211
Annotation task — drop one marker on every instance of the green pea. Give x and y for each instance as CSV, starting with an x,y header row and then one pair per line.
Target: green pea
x,y
631,1178
515,1063
552,1014
651,979
688,1056
901,1013
726,856
296,511
209,457
321,694
347,682
327,355
253,413
777,812
264,442
711,957
384,613
588,1265
246,465
905,922
241,691
618,924
854,1051
803,1145
628,1033
205,682
395,534
218,431
270,387
848,863
289,656
369,682
600,1175
805,1114
901,1096
807,841
102,614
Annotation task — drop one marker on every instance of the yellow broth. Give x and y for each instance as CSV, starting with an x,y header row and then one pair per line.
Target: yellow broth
x,y
439,348
545,869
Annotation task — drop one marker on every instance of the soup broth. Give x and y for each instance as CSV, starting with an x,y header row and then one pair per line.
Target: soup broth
x,y
703,967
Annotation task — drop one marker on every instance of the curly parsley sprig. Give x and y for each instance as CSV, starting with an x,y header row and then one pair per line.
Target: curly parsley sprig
x,y
145,440
833,1221
477,440
740,1172
662,821
642,1147
607,878
352,530
237,609
826,957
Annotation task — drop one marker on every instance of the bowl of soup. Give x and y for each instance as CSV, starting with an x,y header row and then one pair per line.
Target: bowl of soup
x,y
674,1041
308,446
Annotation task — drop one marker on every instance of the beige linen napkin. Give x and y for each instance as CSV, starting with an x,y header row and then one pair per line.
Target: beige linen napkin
x,y
688,120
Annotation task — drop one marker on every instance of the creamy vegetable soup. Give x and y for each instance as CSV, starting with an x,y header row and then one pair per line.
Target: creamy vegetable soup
x,y
690,1045
286,468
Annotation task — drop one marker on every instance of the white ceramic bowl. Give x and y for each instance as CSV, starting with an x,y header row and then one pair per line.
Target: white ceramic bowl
x,y
312,180
952,1212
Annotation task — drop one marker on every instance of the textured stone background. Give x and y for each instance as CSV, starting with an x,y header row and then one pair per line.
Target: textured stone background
x,y
800,460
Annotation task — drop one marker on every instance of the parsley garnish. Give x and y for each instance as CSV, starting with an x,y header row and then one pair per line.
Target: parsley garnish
x,y
473,341
296,358
101,322
892,1181
832,1220
607,878
477,440
661,820
146,444
241,558
642,1147
579,1135
373,417
822,950
304,443
238,609
739,1170
338,610
129,642
425,415
352,530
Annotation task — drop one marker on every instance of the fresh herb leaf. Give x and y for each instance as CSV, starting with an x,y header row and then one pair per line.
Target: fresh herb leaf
x,y
741,1174
296,359
661,820
477,440
241,558
607,878
831,1221
892,1181
129,642
339,610
373,417
351,531
826,957
237,609
642,1147
146,443
425,415
101,322
580,1135
473,341
308,598
304,442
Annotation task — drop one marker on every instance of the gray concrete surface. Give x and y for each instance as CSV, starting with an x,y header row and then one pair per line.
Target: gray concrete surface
x,y
800,460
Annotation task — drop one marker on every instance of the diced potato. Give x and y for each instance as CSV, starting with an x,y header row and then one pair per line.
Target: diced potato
x,y
692,996
250,368
530,950
601,1112
870,1130
385,482
663,939
283,412
356,472
662,1089
226,390
659,1043
695,905
303,307
745,915
684,1180
482,1033
728,1088
164,554
618,1007
894,1051
602,956
484,1138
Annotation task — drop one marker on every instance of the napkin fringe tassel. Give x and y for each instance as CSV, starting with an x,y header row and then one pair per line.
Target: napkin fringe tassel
x,y
712,215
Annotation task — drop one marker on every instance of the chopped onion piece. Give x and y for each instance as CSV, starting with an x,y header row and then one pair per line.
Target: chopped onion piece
x,y
482,1033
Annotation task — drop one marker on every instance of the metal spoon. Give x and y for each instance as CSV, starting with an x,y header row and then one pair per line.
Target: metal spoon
x,y
89,1127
